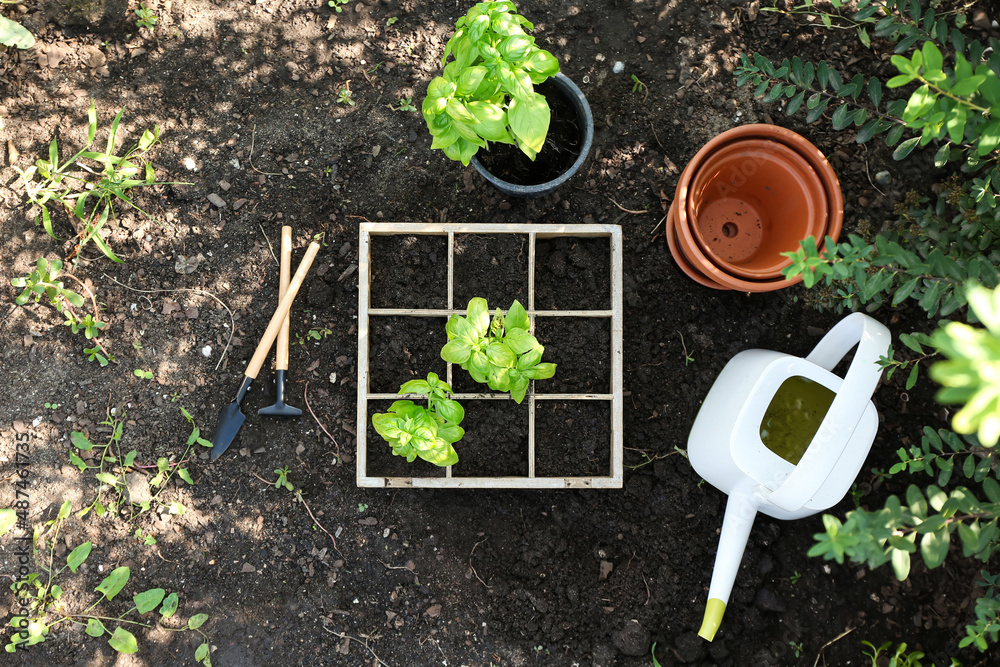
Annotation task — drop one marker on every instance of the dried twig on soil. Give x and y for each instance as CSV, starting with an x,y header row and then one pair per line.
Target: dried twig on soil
x,y
253,136
831,642
305,397
269,246
232,320
298,497
625,209
362,642
473,567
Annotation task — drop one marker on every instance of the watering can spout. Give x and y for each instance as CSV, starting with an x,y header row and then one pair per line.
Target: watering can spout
x,y
740,513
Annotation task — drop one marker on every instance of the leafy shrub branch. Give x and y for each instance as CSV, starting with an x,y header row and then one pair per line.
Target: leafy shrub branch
x,y
939,255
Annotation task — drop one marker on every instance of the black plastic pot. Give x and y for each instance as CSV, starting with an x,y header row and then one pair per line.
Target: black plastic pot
x,y
586,121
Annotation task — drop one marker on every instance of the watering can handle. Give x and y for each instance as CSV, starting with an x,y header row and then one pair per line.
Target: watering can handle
x,y
827,446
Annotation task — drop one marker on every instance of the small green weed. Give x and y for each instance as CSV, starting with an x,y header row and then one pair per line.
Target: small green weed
x,y
116,176
361,508
796,647
638,85
111,468
144,375
345,96
44,281
405,104
51,406
337,5
282,481
147,19
148,540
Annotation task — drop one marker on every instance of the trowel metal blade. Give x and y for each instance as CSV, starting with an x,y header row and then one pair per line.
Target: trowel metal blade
x,y
230,421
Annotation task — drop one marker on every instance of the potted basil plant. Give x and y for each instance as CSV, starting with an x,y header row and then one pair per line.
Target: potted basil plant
x,y
504,93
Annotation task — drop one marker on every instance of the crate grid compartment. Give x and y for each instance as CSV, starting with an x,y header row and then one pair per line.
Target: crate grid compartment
x,y
539,405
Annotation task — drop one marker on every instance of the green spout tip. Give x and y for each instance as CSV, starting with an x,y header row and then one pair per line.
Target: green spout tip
x,y
713,618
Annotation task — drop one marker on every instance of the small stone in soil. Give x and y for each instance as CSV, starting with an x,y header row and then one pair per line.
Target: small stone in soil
x,y
690,647
216,200
633,639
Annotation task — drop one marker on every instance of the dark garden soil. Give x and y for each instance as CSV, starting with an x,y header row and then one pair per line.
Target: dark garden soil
x,y
562,146
246,93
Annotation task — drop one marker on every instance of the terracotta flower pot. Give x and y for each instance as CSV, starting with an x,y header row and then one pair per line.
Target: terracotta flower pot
x,y
692,259
751,201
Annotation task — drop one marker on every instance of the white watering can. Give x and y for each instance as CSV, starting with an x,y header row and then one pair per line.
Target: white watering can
x,y
784,436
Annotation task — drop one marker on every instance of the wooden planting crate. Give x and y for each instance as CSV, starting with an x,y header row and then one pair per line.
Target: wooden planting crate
x,y
403,328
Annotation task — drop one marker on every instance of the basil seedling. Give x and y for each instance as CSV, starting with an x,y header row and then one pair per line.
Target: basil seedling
x,y
487,93
499,352
413,430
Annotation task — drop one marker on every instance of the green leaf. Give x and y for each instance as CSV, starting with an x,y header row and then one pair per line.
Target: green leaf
x,y
114,582
499,354
123,641
64,510
169,606
478,315
869,130
450,410
795,103
201,652
900,564
839,118
911,380
8,519
78,440
933,60
529,121
108,478
147,600
78,555
14,34
516,318
894,135
185,475
197,621
456,352
905,148
95,628
934,547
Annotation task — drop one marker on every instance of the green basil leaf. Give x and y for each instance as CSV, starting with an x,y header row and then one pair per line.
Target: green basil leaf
x,y
516,318
456,352
529,120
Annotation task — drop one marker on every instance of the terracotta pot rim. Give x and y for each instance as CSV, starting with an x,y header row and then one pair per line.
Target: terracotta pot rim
x,y
803,146
679,258
692,265
799,169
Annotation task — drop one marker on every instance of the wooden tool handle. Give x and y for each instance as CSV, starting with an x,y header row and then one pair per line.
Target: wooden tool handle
x,y
281,354
284,305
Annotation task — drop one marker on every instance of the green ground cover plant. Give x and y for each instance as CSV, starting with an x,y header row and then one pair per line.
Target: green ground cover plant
x,y
91,198
44,281
47,608
111,468
939,255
